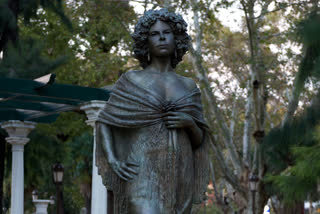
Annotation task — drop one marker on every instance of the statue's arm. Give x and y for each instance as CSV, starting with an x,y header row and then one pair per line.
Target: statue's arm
x,y
124,170
195,134
194,131
105,136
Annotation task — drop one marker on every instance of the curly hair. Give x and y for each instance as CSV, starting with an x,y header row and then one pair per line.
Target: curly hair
x,y
141,33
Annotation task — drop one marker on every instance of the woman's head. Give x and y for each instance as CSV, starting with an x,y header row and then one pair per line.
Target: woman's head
x,y
141,34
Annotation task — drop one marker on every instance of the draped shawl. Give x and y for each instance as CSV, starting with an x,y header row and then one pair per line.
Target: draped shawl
x,y
132,106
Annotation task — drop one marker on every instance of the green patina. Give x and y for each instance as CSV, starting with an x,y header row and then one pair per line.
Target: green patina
x,y
30,100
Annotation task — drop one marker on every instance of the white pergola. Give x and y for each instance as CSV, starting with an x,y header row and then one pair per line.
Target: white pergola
x,y
98,190
23,103
18,132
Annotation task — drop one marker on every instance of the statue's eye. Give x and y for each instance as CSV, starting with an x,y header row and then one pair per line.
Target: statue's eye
x,y
167,31
153,33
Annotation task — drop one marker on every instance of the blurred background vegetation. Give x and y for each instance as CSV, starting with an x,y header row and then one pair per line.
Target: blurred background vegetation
x,y
88,43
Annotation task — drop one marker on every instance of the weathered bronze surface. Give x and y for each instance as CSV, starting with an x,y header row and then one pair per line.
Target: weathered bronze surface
x,y
151,136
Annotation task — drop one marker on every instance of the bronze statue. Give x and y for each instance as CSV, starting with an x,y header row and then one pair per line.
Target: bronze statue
x,y
151,135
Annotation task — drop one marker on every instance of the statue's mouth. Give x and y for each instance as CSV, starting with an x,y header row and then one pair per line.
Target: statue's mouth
x,y
163,46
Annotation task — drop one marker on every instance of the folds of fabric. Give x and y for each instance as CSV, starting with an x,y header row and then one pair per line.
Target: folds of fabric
x,y
132,106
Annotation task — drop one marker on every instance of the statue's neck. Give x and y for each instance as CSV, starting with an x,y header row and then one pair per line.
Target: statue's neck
x,y
160,64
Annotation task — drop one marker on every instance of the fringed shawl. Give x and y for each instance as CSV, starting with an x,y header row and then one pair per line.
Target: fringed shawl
x,y
133,106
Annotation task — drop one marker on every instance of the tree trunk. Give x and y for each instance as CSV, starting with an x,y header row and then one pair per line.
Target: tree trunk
x,y
88,204
297,208
88,198
85,189
10,34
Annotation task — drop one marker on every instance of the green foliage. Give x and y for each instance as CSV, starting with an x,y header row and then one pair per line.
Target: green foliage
x,y
24,60
308,31
98,48
40,154
224,4
292,156
69,142
279,140
22,54
22,57
299,182
79,167
95,52
27,9
8,20
67,126
30,9
292,151
80,158
278,143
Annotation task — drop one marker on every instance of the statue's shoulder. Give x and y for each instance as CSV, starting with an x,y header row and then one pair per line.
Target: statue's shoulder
x,y
190,83
133,73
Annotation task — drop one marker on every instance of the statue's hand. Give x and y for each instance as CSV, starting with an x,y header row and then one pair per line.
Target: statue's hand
x,y
175,120
123,169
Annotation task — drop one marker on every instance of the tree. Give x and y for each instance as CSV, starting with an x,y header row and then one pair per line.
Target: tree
x,y
21,55
253,97
92,51
294,166
291,148
69,142
244,80
98,49
260,63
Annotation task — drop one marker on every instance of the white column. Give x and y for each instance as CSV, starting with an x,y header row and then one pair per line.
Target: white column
x,y
99,191
18,132
42,206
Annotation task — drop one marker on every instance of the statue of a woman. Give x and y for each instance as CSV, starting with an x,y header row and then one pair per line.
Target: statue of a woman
x,y
151,134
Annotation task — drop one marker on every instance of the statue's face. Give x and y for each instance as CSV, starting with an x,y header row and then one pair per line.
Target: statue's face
x,y
161,40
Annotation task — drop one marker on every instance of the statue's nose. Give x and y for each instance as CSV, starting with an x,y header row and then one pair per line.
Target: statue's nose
x,y
162,37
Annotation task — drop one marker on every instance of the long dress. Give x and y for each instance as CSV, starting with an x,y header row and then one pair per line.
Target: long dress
x,y
171,176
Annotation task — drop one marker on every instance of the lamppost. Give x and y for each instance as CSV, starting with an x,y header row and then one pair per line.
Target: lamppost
x,y
57,174
52,199
253,184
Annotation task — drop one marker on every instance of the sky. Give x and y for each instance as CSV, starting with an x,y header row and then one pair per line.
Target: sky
x,y
230,17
